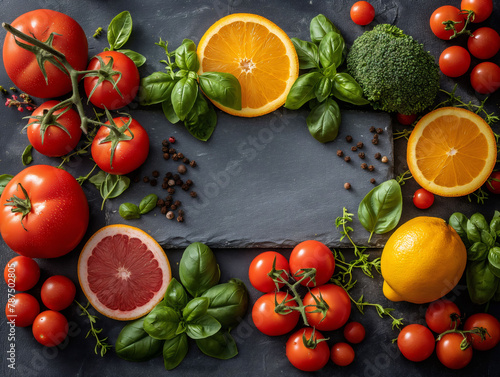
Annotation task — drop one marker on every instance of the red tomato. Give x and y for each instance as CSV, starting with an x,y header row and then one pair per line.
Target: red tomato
x,y
58,292
22,309
446,13
21,65
406,120
103,93
442,315
423,199
484,43
485,77
59,135
334,314
128,155
454,61
342,354
303,352
50,328
449,352
269,322
416,342
482,9
362,13
21,273
354,332
493,183
262,265
491,324
56,212
312,254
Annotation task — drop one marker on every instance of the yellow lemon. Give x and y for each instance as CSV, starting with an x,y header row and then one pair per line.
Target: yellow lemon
x,y
422,261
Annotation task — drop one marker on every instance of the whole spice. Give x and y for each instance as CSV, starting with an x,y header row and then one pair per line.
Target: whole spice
x,y
348,138
385,159
361,155
364,165
182,169
170,215
347,185
378,156
347,158
371,168
360,145
340,153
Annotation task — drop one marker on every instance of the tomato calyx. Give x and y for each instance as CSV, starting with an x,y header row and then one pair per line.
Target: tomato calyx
x,y
467,339
313,341
104,73
321,305
306,273
47,119
19,205
116,134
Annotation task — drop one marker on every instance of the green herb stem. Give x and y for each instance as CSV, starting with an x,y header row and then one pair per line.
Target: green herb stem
x,y
101,344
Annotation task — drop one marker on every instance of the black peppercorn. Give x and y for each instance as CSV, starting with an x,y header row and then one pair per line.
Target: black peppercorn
x,y
171,190
145,179
193,194
165,143
163,210
155,173
347,158
185,187
192,163
378,156
185,160
173,207
189,182
178,203
348,138
180,219
347,185
360,145
364,165
371,168
354,149
182,169
166,156
380,130
171,151
160,203
372,129
374,141
340,153
373,180
361,155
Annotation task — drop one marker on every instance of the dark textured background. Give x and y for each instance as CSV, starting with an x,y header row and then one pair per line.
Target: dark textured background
x,y
293,192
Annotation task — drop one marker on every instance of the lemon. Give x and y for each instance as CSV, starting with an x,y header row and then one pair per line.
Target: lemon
x,y
422,261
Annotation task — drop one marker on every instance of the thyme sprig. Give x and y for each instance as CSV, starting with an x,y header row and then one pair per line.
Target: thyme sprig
x,y
101,346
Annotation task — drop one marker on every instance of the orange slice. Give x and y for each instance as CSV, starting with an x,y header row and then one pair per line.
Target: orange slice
x,y
258,53
451,151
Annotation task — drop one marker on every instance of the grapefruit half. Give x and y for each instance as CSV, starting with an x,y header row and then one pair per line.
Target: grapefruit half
x,y
123,272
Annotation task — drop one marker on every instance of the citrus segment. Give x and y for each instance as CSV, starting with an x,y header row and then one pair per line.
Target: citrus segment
x,y
123,272
451,151
258,53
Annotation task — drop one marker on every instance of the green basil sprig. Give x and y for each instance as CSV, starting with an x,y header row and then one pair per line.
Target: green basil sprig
x,y
119,31
135,344
482,241
323,56
181,91
131,211
109,185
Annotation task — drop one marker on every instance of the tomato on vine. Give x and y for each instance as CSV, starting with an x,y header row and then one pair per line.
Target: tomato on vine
x,y
482,9
272,316
442,315
328,307
262,265
484,43
416,342
453,351
21,273
309,255
492,326
307,350
362,13
443,14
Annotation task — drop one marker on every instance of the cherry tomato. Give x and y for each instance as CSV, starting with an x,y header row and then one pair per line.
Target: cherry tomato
x,y
493,183
449,352
128,155
103,93
485,77
21,273
442,315
60,133
50,328
362,13
58,292
342,354
406,120
446,13
423,199
312,254
21,65
454,61
482,9
484,43
334,314
300,351
262,265
354,332
416,342
57,218
491,324
269,322
22,309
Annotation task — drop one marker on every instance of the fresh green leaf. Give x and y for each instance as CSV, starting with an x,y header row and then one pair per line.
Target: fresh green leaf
x,y
482,284
135,344
195,309
494,261
4,180
27,157
137,58
201,120
477,252
176,296
307,53
156,88
186,56
129,211
221,87
148,203
323,89
346,89
202,327
184,96
113,186
458,221
303,90
331,50
476,224
174,351
220,345
324,121
169,112
320,26
380,210
119,30
162,322
495,226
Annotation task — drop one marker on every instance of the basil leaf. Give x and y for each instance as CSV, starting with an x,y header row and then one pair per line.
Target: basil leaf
x,y
198,269
113,186
495,226
201,120
119,30
162,322
346,89
195,309
202,327
135,344
98,179
303,90
473,231
26,157
148,203
169,112
380,210
220,345
129,211
228,302
494,261
137,58
221,87
320,26
323,89
186,56
184,96
458,221
324,121
156,88
174,351
477,252
176,296
307,53
4,180
331,50
482,284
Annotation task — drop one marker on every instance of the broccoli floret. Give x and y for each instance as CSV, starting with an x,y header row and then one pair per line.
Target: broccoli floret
x,y
394,70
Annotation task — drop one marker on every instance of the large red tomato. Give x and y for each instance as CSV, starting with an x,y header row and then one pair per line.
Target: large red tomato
x,y
330,314
55,210
21,65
